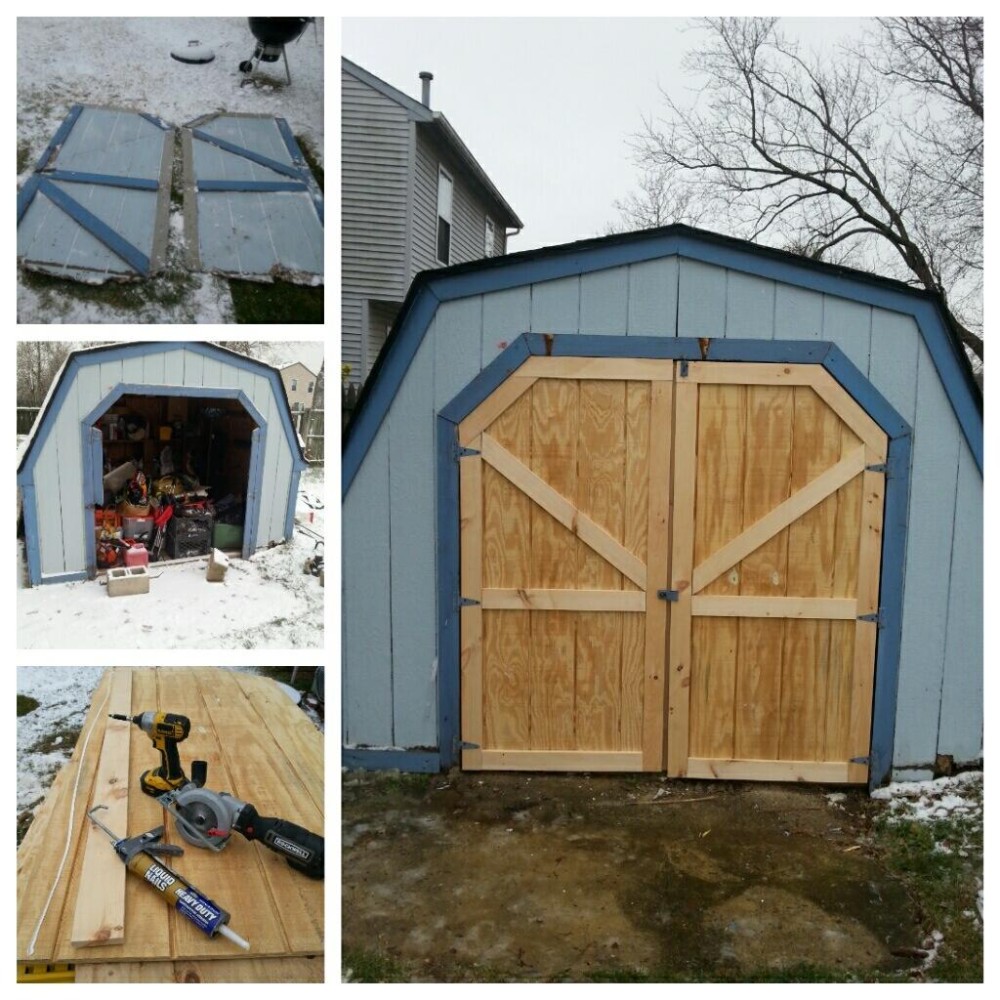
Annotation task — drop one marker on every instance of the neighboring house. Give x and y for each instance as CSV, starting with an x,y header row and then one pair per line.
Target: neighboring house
x,y
300,384
413,198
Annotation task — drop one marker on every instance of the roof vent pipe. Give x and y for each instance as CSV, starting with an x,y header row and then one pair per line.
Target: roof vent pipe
x,y
425,92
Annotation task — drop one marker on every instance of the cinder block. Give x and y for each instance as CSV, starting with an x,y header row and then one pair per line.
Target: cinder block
x,y
124,580
218,563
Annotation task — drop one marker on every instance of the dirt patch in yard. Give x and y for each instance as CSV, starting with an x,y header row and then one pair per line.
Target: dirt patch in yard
x,y
505,877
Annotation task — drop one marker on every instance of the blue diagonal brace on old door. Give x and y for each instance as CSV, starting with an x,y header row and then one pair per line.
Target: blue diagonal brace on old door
x,y
132,255
249,154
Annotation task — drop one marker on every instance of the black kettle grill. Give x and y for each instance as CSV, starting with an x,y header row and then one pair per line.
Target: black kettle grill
x,y
272,34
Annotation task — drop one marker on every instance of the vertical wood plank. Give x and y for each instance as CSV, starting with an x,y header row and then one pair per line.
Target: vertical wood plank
x,y
553,439
682,554
601,468
869,563
654,706
764,572
638,417
99,917
470,472
718,519
816,446
506,562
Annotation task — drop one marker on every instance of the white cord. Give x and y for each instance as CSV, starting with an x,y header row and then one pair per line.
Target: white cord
x,y
69,827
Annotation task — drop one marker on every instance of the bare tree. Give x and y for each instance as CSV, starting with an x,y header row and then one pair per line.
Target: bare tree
x,y
878,149
38,363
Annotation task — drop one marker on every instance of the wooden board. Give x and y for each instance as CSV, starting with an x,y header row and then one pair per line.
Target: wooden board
x,y
99,918
260,747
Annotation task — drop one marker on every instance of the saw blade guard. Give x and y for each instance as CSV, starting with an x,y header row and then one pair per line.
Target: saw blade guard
x,y
203,817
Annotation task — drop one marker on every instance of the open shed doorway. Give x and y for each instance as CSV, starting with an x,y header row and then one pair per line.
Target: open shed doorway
x,y
196,454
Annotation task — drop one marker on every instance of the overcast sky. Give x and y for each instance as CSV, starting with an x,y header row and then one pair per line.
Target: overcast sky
x,y
546,104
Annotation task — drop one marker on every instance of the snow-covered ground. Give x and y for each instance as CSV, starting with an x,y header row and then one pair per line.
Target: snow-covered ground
x,y
126,62
266,601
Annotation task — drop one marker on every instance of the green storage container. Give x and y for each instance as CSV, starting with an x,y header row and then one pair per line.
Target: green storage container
x,y
227,536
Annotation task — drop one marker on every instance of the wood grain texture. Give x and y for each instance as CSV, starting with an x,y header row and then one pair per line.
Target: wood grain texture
x,y
260,747
773,607
561,760
681,558
248,970
99,918
471,587
534,599
491,408
656,637
820,772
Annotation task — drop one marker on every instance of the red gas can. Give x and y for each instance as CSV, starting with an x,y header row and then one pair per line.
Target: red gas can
x,y
137,555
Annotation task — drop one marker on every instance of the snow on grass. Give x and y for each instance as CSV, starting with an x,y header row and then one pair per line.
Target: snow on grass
x,y
126,62
942,798
265,602
63,695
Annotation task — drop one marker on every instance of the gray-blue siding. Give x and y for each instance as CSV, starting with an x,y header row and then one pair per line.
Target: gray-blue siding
x,y
390,668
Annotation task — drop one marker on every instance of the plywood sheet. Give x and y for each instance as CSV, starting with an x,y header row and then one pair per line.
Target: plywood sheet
x,y
260,747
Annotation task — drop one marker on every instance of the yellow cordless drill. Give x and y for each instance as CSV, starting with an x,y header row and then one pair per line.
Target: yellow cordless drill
x,y
166,730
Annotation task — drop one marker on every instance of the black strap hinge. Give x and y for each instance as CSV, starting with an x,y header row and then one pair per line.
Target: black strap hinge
x,y
466,745
878,467
875,616
467,602
461,452
861,760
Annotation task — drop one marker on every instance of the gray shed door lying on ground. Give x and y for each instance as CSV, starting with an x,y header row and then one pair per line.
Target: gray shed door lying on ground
x,y
253,209
97,203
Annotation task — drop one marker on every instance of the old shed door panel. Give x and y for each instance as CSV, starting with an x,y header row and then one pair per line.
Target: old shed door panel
x,y
564,531
771,550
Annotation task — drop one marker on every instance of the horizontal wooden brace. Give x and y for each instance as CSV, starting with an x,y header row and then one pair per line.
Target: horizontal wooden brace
x,y
497,599
725,606
559,760
770,770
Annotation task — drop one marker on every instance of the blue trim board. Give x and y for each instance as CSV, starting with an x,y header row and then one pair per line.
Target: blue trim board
x,y
62,134
107,180
364,759
254,481
30,512
895,522
247,154
897,491
384,386
97,228
518,270
293,496
449,615
66,578
27,194
245,186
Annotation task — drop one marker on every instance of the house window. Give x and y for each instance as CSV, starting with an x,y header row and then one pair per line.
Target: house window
x,y
309,388
445,188
490,238
295,384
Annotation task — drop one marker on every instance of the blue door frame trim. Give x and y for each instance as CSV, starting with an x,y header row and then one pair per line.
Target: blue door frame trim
x,y
86,357
414,761
516,270
90,473
783,352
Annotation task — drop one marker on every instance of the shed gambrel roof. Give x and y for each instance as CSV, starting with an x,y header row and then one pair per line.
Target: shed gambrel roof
x,y
445,133
93,355
431,288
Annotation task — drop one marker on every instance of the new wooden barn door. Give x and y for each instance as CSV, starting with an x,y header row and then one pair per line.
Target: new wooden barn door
x,y
668,566
777,526
564,515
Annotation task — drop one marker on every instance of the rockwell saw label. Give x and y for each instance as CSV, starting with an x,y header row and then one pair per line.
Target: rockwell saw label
x,y
288,847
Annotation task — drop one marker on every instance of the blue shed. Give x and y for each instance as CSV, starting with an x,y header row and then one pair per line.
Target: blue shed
x,y
223,414
665,501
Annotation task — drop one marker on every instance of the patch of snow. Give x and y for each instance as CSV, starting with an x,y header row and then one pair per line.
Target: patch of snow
x,y
960,795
